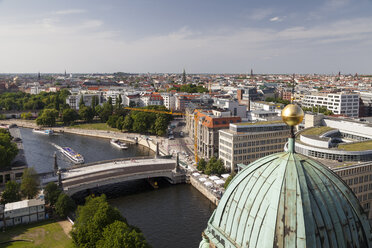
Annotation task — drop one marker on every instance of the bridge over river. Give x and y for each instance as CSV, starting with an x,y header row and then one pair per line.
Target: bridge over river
x,y
85,177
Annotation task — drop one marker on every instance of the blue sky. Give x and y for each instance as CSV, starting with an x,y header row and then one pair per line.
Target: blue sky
x,y
203,36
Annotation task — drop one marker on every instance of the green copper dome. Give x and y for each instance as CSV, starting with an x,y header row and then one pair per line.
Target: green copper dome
x,y
288,200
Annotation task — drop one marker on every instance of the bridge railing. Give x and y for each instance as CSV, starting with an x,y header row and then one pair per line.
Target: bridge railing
x,y
108,161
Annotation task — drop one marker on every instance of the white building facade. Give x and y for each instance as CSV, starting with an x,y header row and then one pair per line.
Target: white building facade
x,y
339,104
23,212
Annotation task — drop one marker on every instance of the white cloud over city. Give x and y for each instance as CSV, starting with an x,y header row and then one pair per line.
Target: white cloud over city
x,y
50,43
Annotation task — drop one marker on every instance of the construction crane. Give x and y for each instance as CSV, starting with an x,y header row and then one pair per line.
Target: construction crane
x,y
196,119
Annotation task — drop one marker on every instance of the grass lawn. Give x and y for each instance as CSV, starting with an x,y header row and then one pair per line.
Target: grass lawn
x,y
48,233
358,146
316,130
94,126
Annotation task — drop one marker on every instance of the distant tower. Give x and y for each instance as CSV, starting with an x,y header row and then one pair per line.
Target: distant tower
x,y
251,73
184,76
293,87
38,76
339,74
65,73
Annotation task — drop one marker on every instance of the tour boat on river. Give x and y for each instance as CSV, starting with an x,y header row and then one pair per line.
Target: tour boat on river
x,y
41,131
118,144
72,155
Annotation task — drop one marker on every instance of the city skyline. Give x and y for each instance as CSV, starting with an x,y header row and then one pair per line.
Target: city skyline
x,y
322,37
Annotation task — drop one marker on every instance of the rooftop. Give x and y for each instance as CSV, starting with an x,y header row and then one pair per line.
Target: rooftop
x,y
356,146
24,204
260,123
316,130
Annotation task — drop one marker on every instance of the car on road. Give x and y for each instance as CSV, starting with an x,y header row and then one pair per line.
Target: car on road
x,y
182,134
171,137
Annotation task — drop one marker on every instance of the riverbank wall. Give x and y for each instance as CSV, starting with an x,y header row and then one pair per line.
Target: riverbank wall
x,y
143,140
205,191
127,137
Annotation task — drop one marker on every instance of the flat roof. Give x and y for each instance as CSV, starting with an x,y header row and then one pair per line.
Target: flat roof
x,y
24,204
258,123
316,130
356,146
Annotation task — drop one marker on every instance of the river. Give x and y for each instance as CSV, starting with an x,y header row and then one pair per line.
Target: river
x,y
171,216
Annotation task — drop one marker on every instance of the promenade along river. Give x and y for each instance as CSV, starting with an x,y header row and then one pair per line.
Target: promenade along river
x,y
171,216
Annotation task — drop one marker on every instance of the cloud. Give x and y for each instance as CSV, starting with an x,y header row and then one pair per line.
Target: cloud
x,y
69,11
276,19
86,47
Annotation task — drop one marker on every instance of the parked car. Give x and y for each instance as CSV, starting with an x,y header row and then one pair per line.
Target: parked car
x,y
181,134
171,137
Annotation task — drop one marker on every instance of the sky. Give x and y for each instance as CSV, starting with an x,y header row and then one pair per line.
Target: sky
x,y
200,36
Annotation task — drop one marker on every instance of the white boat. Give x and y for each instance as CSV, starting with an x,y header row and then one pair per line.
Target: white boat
x,y
118,144
72,155
41,131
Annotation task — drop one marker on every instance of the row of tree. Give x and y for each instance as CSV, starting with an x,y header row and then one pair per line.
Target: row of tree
x,y
98,224
62,203
213,166
142,122
20,101
8,149
190,88
318,109
28,188
277,100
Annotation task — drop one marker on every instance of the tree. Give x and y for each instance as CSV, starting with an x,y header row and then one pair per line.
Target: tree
x,y
47,118
214,166
93,105
51,192
161,125
11,193
86,113
140,122
69,116
106,111
120,123
64,205
120,234
30,183
228,180
112,121
81,102
8,149
91,219
26,116
202,164
128,123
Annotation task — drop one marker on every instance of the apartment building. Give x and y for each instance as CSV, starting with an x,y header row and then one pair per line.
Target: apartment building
x,y
183,101
340,104
153,98
246,95
209,122
169,100
244,143
233,106
22,212
74,100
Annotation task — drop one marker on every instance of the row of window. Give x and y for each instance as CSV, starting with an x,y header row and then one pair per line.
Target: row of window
x,y
260,142
257,149
360,179
357,170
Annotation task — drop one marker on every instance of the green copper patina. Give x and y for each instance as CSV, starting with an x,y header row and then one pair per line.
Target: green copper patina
x,y
288,200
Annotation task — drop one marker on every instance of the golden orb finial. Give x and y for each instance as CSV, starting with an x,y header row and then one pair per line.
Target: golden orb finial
x,y
292,114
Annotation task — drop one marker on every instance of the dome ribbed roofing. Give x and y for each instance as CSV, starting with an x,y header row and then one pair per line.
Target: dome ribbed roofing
x,y
288,200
